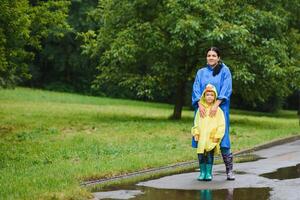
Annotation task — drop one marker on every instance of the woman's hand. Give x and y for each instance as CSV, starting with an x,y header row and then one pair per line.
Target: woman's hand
x,y
202,110
213,110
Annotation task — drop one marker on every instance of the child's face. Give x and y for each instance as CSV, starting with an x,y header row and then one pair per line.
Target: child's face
x,y
209,97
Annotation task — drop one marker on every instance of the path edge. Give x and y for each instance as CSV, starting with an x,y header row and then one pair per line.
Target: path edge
x,y
188,163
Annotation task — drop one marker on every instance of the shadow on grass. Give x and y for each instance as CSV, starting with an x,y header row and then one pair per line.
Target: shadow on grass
x,y
128,118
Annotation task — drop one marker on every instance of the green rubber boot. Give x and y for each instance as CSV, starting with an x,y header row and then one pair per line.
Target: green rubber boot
x,y
208,175
201,177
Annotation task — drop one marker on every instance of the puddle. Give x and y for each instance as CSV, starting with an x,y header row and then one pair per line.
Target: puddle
x,y
284,173
117,194
225,194
146,193
131,191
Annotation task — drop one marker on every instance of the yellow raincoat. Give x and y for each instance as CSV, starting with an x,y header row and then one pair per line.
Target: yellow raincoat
x,y
210,129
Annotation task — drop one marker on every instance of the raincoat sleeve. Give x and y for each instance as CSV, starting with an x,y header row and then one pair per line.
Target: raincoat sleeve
x,y
221,124
226,86
196,90
195,129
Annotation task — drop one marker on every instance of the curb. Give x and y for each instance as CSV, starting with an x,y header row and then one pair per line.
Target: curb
x,y
187,163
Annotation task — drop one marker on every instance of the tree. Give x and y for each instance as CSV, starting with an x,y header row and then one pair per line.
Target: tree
x,y
24,26
59,64
151,46
148,46
269,55
14,34
48,27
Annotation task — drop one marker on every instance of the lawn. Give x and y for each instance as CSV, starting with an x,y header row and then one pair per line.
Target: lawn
x,y
50,141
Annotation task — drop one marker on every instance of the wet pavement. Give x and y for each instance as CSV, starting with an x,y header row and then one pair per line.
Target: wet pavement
x,y
275,177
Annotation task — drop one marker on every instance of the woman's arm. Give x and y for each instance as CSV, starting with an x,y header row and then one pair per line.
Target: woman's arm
x,y
226,85
214,108
221,124
201,110
225,91
196,94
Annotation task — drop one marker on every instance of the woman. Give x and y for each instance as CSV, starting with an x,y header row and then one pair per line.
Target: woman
x,y
217,74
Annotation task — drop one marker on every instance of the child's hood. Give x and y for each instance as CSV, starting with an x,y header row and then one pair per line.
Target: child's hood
x,y
209,87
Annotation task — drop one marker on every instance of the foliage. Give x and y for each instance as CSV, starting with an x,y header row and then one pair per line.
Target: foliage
x,y
14,34
24,26
265,64
60,59
153,47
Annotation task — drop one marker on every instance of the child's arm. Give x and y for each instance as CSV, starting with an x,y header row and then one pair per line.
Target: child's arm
x,y
195,129
195,133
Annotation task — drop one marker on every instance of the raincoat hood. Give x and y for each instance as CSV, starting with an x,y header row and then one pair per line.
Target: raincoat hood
x,y
210,88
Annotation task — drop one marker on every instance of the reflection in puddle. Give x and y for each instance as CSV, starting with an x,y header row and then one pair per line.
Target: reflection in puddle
x,y
147,193
284,173
224,194
117,194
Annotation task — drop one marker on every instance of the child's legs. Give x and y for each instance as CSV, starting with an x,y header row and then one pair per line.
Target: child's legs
x,y
210,157
201,158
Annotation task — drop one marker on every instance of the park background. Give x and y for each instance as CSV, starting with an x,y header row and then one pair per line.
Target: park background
x,y
94,89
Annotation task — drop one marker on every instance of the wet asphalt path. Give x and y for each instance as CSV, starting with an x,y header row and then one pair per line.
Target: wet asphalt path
x,y
249,183
247,174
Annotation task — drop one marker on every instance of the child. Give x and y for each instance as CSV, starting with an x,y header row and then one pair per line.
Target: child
x,y
208,132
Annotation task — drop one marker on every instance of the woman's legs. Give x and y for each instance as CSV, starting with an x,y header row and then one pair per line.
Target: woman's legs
x,y
225,150
202,166
228,160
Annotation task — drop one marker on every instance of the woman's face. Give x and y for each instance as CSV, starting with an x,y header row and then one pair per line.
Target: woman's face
x,y
212,58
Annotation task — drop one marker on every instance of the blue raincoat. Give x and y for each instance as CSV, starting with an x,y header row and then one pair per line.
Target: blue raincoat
x,y
223,84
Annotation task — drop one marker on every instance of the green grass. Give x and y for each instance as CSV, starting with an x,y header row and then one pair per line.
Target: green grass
x,y
50,142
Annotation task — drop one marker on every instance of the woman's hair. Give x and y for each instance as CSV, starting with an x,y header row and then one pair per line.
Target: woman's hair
x,y
218,67
215,49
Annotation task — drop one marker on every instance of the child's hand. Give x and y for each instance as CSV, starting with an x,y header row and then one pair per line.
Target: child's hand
x,y
196,137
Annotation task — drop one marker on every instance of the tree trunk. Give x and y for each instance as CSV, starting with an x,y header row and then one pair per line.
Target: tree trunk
x,y
188,64
179,99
